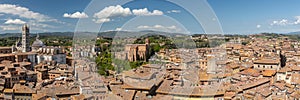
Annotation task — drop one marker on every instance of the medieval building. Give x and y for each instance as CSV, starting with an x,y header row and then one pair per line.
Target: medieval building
x,y
23,45
137,52
37,44
36,53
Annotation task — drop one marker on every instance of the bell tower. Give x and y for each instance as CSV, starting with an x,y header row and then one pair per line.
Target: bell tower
x,y
147,41
25,38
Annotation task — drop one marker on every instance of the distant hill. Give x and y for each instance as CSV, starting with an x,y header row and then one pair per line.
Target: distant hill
x,y
109,34
128,34
116,34
6,35
65,34
112,34
46,34
294,33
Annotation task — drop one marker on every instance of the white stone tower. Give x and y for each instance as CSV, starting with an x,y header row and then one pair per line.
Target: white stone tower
x,y
25,38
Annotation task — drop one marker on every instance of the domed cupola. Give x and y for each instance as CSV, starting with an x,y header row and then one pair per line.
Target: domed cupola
x,y
37,43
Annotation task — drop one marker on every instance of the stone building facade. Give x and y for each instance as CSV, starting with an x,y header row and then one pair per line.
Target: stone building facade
x,y
23,45
137,52
49,54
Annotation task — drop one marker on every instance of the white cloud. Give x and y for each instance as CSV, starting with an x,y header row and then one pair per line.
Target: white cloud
x,y
15,25
76,15
106,14
297,20
172,27
143,27
158,27
174,11
101,20
24,12
282,22
113,11
258,26
146,12
9,27
34,24
14,21
34,19
118,29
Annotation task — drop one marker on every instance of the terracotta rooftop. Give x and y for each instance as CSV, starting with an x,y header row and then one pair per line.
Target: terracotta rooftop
x,y
279,85
250,71
265,92
268,73
295,68
18,88
266,61
255,83
295,78
167,89
229,95
124,94
284,69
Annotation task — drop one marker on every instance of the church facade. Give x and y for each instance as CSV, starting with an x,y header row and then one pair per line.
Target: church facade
x,y
137,52
23,45
36,53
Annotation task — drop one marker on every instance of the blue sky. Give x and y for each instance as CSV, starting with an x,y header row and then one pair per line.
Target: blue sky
x,y
233,16
245,15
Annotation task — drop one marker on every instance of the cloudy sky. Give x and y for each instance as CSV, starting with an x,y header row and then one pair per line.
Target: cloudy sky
x,y
234,16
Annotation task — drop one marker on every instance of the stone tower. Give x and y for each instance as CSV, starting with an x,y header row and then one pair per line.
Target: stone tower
x,y
147,41
25,38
